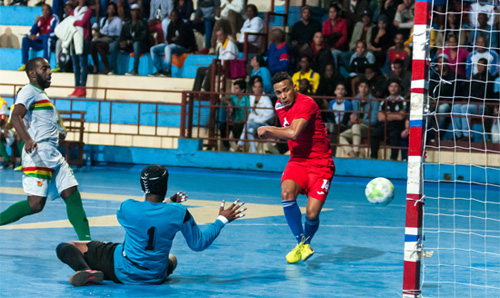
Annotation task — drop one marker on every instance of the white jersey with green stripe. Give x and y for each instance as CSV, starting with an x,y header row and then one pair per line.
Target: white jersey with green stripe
x,y
41,118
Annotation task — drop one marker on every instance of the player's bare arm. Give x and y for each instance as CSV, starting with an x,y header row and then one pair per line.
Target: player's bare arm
x,y
291,132
17,120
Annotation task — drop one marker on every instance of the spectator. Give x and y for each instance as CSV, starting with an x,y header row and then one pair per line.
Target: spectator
x,y
41,35
482,51
253,24
339,115
302,32
482,7
185,9
180,40
106,40
335,32
204,21
277,54
452,27
305,88
237,108
260,114
398,51
358,63
259,69
230,17
307,73
321,55
404,18
457,55
353,9
401,74
391,121
445,85
362,31
381,40
82,14
489,32
134,37
122,8
376,81
328,80
158,18
481,92
389,9
363,117
227,51
63,59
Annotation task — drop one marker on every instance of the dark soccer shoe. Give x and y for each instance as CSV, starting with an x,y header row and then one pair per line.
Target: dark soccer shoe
x,y
86,277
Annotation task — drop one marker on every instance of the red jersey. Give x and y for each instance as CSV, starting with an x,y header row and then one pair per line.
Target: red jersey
x,y
313,142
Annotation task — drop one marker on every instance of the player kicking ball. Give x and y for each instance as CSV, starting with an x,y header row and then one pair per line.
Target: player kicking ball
x,y
150,227
310,168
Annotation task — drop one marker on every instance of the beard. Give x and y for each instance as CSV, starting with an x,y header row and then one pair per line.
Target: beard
x,y
43,83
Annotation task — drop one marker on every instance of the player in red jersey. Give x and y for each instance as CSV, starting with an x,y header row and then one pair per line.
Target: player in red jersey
x,y
310,168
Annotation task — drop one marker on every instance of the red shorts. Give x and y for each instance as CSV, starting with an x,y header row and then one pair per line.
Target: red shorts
x,y
314,176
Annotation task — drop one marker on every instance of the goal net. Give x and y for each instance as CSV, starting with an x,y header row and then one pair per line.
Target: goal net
x,y
452,241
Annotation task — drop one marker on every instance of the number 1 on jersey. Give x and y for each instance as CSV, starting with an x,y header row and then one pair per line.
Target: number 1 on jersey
x,y
151,239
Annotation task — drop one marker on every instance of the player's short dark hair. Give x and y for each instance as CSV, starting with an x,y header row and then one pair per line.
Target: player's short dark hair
x,y
280,77
31,64
241,84
154,180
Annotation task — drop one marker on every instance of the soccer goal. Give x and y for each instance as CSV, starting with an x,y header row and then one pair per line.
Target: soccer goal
x,y
452,236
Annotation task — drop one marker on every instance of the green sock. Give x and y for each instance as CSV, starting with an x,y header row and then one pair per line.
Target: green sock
x,y
3,153
15,212
77,216
20,146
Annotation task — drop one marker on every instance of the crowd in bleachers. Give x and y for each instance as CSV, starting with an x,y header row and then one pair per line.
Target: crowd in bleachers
x,y
357,49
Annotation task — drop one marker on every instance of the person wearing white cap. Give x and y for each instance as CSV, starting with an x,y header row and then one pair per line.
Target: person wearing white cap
x,y
134,37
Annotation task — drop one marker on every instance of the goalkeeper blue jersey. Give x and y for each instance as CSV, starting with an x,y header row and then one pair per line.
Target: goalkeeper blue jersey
x,y
150,229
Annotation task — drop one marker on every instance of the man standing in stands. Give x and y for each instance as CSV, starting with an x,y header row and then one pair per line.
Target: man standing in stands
x,y
41,35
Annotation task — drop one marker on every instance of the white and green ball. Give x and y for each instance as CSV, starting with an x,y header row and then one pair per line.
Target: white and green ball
x,y
379,191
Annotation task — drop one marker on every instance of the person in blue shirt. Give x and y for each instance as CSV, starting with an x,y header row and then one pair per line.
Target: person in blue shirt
x,y
259,69
150,227
364,116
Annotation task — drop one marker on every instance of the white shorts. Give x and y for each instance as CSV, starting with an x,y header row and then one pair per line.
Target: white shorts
x,y
46,173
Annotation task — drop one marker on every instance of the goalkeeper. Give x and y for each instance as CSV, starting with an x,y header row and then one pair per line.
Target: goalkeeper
x,y
150,228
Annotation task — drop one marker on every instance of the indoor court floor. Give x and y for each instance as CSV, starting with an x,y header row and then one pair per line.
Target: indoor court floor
x,y
359,246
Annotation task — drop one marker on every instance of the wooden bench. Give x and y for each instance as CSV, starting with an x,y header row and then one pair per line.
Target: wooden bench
x,y
74,122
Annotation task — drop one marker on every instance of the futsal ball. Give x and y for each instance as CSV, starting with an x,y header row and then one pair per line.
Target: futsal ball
x,y
379,191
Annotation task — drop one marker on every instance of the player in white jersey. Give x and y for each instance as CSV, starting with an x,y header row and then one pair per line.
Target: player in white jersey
x,y
46,173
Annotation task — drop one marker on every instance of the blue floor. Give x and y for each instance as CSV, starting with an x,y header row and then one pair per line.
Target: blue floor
x,y
359,246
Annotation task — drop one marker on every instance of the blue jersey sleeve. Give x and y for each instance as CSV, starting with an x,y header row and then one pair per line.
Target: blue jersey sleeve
x,y
199,240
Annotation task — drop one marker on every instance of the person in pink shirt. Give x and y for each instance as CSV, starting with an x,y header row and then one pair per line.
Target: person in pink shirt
x,y
458,55
335,32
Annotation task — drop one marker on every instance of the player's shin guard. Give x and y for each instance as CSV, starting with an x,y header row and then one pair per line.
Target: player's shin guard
x,y
77,216
15,212
293,218
71,256
310,227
